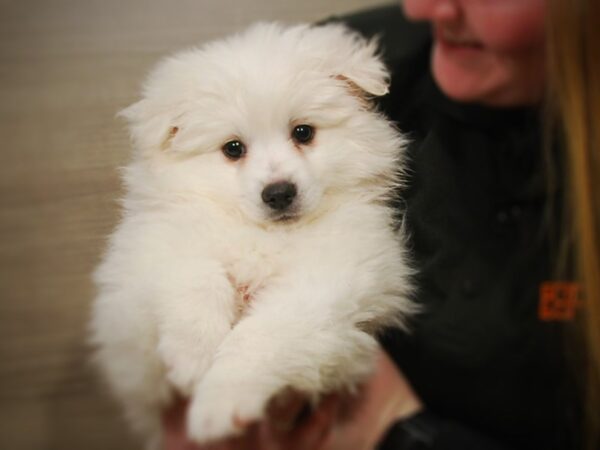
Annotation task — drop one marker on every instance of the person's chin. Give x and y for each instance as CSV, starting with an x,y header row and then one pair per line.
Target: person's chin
x,y
472,78
457,79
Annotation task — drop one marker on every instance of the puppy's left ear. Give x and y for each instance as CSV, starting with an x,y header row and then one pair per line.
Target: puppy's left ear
x,y
356,60
364,68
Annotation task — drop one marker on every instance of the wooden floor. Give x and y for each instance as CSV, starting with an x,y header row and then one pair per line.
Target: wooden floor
x,y
66,68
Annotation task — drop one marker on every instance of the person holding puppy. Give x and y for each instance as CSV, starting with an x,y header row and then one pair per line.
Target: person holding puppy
x,y
507,352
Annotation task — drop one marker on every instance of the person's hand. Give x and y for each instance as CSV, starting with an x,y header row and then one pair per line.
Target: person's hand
x,y
339,422
281,430
359,422
175,436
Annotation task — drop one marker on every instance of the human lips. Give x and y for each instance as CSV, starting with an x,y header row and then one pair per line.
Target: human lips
x,y
450,38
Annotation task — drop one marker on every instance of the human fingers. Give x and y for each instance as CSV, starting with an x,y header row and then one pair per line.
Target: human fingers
x,y
173,420
310,434
175,435
285,410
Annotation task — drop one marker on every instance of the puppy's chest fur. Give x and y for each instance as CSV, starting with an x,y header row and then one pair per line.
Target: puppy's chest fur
x,y
252,263
248,275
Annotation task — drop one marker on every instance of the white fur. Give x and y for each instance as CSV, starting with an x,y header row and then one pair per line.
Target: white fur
x,y
196,236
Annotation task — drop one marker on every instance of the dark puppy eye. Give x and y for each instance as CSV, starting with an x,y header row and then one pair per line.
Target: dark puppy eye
x,y
303,134
234,150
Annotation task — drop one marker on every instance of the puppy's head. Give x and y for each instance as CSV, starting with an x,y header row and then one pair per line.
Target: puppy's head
x,y
272,123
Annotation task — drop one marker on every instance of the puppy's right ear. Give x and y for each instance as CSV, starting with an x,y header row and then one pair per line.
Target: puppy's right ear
x,y
132,112
150,126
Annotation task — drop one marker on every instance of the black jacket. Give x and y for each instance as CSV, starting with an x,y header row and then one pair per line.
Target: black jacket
x,y
477,212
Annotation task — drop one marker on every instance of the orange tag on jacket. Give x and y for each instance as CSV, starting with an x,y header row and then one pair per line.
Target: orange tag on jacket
x,y
559,300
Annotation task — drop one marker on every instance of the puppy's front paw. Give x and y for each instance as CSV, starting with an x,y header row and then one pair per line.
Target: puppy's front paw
x,y
184,365
217,413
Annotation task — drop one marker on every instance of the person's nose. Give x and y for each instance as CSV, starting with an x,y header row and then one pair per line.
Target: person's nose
x,y
432,10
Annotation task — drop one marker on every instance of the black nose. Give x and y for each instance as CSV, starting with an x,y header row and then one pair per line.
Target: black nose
x,y
279,195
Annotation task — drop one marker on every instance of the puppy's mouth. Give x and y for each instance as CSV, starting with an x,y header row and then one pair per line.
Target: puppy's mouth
x,y
285,217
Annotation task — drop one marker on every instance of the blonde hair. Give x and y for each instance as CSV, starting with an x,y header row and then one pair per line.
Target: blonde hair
x,y
574,90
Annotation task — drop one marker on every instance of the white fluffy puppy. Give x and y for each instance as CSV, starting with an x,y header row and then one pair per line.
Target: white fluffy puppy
x,y
256,250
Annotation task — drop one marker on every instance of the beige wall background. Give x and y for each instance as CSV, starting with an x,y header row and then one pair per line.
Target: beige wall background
x,y
66,68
